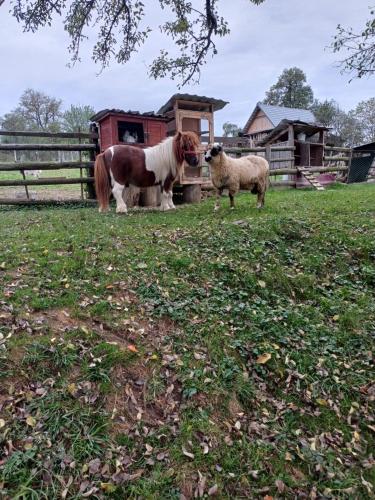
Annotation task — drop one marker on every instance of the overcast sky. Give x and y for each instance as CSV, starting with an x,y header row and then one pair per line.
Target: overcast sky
x,y
263,41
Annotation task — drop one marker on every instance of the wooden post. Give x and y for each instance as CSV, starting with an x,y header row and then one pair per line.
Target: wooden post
x,y
80,159
150,197
91,195
26,188
192,193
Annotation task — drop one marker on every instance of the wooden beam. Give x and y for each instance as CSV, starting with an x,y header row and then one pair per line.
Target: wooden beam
x,y
331,148
12,201
54,135
47,147
46,182
336,158
14,167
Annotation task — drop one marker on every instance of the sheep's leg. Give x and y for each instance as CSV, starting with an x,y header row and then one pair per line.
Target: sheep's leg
x,y
260,200
231,197
219,192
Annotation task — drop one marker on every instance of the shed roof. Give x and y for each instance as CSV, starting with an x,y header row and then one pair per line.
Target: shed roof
x,y
276,114
299,126
366,147
217,103
105,112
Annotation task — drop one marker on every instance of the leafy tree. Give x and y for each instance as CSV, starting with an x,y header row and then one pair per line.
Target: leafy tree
x,y
121,30
77,118
365,115
36,111
290,90
347,128
231,129
325,111
359,46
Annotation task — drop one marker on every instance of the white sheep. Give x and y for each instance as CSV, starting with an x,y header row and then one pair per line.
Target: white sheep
x,y
249,172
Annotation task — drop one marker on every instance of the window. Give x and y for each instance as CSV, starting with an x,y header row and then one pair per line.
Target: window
x,y
130,132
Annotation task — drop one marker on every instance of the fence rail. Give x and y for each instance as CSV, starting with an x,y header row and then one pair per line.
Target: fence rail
x,y
47,147
42,165
52,135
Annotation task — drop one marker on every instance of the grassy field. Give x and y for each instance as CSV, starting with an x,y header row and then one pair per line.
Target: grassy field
x,y
190,354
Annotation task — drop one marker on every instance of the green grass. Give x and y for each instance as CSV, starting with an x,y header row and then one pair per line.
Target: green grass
x,y
162,354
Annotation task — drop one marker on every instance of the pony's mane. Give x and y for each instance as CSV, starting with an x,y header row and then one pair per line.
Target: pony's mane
x,y
184,141
169,154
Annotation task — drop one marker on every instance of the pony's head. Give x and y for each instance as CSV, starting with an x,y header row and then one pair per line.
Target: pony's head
x,y
213,153
186,147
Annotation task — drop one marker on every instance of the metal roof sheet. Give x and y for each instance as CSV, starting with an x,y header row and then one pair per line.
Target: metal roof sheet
x,y
104,112
278,113
217,103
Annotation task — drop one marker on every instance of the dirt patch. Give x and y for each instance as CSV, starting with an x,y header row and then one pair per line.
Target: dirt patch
x,y
133,402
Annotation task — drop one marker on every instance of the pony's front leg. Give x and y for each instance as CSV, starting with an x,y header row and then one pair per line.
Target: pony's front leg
x,y
164,201
118,190
170,200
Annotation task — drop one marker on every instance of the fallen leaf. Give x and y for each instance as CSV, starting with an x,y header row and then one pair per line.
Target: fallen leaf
x,y
213,490
187,453
336,317
2,423
288,456
108,487
322,402
132,348
142,265
263,358
280,485
31,421
262,284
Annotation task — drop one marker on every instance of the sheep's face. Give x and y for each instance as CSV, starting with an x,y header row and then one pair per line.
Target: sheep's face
x,y
213,152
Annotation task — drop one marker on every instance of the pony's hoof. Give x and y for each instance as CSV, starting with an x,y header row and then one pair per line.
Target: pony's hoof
x,y
232,208
216,209
103,210
121,210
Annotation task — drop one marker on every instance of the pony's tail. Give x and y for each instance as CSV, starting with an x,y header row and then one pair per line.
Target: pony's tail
x,y
102,186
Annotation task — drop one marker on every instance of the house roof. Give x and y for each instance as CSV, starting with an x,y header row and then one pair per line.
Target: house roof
x,y
277,113
168,106
366,147
105,112
299,126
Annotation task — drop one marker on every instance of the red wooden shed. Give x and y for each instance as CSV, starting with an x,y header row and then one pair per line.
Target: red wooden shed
x,y
129,127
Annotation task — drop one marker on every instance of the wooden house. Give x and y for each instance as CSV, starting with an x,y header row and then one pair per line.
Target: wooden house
x,y
129,127
266,117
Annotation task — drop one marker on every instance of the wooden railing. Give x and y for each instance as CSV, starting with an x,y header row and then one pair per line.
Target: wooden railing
x,y
85,167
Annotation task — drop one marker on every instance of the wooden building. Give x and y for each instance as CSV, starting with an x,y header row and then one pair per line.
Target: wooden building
x,y
266,117
129,127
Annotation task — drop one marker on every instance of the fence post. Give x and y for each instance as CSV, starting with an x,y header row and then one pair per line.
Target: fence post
x,y
91,194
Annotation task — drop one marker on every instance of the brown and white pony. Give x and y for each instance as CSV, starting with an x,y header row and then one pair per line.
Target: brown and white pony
x,y
122,166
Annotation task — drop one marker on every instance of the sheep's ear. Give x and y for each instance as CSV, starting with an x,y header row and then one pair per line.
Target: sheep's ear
x,y
220,148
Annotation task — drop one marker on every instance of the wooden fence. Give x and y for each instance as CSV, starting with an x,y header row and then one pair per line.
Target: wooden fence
x,y
87,143
281,158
